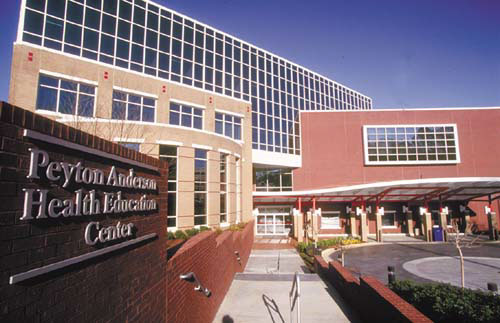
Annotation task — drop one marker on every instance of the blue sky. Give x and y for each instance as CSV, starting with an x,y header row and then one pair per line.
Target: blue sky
x,y
402,53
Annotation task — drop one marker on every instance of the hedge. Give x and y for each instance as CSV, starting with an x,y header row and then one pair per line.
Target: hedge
x,y
446,303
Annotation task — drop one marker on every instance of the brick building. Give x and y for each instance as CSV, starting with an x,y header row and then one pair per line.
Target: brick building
x,y
232,118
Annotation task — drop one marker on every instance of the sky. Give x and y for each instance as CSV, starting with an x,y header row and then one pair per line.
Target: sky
x,y
401,53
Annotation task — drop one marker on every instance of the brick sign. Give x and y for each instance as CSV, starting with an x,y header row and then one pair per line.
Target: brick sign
x,y
83,225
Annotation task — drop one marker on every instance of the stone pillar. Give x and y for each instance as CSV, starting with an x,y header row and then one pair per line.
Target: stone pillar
x,y
378,225
468,229
409,222
316,218
298,226
364,227
427,221
352,220
443,223
493,226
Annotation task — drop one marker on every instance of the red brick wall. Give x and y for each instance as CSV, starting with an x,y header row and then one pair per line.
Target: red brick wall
x,y
373,301
333,154
125,285
212,259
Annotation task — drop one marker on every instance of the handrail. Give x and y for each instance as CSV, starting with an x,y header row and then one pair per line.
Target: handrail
x,y
295,294
192,278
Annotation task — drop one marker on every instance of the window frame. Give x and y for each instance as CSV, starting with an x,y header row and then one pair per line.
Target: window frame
x,y
328,226
127,101
229,123
169,157
191,115
78,92
394,214
367,141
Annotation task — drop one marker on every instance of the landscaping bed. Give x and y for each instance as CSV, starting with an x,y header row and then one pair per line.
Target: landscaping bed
x,y
446,303
307,250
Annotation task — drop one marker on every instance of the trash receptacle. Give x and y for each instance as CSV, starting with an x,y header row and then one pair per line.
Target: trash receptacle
x,y
437,234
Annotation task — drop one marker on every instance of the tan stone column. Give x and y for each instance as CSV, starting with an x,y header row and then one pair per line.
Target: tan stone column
x,y
316,216
409,222
443,223
352,217
364,227
492,225
299,226
467,222
427,226
378,226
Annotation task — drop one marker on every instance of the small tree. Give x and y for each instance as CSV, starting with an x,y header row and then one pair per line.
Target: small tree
x,y
465,240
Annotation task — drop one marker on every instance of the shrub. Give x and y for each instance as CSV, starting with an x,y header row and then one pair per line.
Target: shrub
x,y
204,228
192,232
179,234
447,303
170,235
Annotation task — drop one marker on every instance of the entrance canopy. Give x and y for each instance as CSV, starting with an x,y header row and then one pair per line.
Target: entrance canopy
x,y
410,191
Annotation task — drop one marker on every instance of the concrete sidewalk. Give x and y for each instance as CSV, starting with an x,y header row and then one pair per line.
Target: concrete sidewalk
x,y
260,294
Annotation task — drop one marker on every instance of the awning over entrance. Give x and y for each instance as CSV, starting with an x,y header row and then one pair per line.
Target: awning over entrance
x,y
410,191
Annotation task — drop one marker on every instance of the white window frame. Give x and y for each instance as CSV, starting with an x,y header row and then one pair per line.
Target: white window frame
x,y
411,162
331,226
393,213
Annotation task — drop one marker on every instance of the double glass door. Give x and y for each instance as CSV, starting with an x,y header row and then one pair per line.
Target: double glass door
x,y
274,221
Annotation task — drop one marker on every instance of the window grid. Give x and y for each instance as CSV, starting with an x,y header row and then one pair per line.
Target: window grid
x,y
228,125
389,219
223,188
169,153
128,106
186,116
411,144
65,96
200,187
154,40
273,180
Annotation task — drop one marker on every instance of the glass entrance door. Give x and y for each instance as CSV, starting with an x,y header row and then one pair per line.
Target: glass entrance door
x,y
274,221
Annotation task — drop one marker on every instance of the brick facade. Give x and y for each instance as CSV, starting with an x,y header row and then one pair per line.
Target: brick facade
x,y
128,284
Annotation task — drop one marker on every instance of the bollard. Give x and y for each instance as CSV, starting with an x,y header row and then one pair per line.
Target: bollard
x,y
391,276
492,287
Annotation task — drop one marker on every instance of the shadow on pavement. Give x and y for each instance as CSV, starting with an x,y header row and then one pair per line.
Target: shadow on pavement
x,y
348,312
272,307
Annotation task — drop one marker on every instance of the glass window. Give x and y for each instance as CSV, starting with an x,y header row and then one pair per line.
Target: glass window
x,y
64,96
131,145
186,116
396,144
389,219
223,187
200,187
169,153
273,179
228,125
127,106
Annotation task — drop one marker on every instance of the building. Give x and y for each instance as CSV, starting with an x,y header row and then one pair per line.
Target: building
x,y
232,118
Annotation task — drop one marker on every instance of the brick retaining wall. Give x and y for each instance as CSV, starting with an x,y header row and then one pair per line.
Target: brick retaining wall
x,y
373,301
125,285
213,260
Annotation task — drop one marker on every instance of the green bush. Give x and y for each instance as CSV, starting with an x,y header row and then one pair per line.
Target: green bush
x,y
302,246
447,303
204,228
170,235
191,232
179,234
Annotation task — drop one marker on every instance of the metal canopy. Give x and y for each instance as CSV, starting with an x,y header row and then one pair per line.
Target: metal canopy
x,y
409,191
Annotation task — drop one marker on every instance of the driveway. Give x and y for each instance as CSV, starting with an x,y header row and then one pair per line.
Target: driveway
x,y
429,261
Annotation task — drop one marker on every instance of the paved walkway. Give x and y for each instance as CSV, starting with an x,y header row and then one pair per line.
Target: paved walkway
x,y
424,262
260,294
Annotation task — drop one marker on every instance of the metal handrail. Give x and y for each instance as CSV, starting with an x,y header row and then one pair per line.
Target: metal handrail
x,y
192,278
294,297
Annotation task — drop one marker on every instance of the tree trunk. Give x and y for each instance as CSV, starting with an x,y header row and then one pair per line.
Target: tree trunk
x,y
461,266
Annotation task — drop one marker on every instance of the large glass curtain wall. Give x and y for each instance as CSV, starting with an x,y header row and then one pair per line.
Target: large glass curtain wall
x,y
147,38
